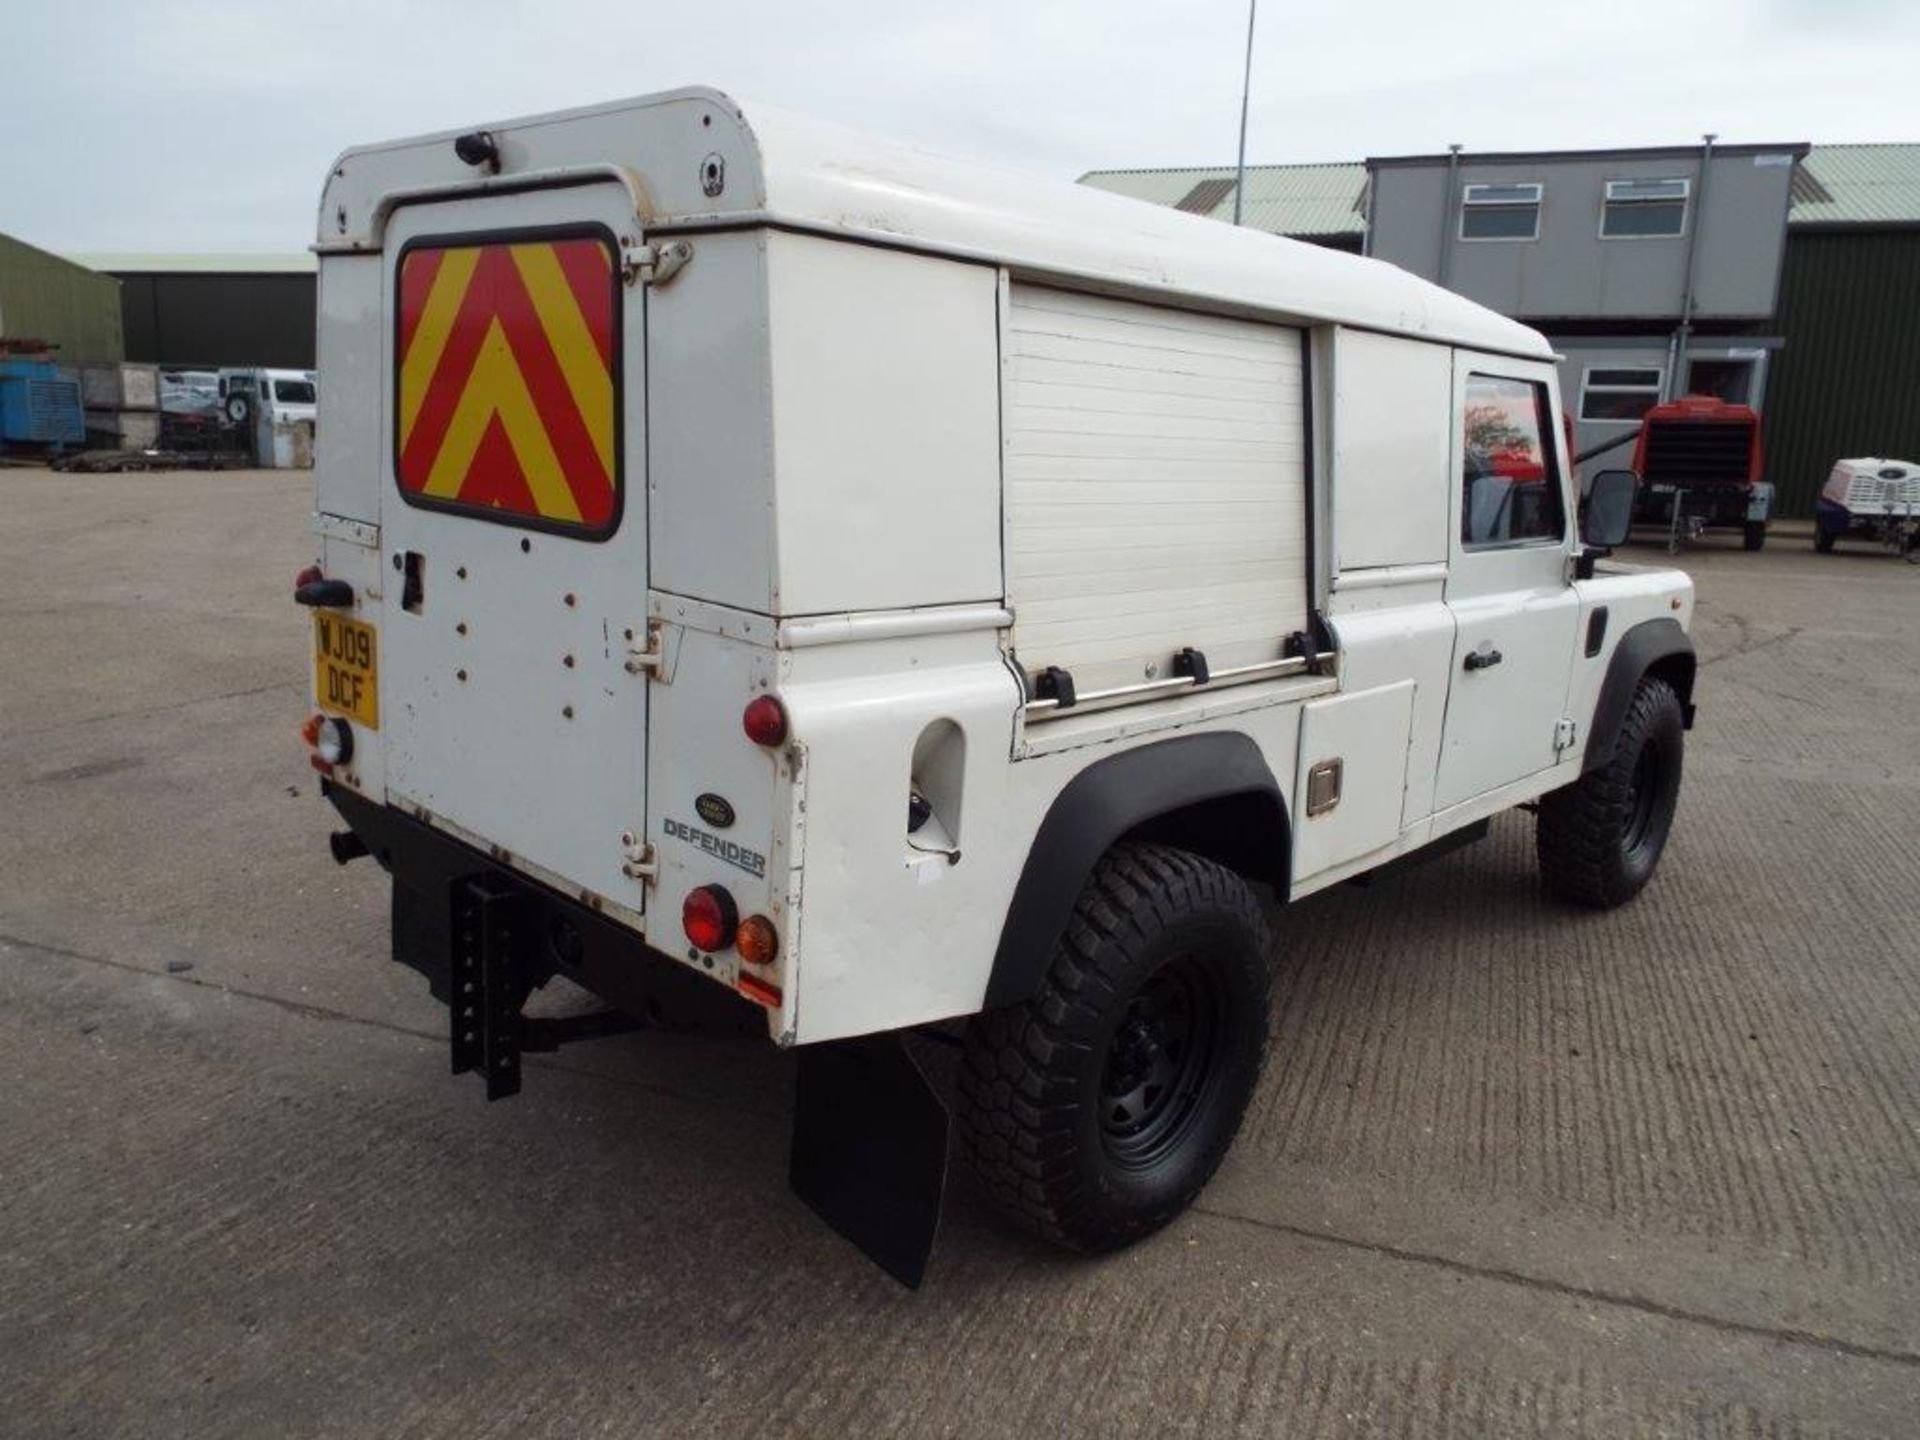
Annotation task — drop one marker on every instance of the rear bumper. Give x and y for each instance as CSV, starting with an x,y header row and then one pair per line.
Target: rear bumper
x,y
598,954
870,1135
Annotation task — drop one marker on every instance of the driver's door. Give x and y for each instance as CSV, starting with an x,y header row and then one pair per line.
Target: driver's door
x,y
1508,582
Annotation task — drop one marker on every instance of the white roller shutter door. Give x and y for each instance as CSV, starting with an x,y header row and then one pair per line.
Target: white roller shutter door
x,y
1155,487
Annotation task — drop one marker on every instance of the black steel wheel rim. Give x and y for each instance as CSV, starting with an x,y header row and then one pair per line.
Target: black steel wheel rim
x,y
1643,798
1161,1063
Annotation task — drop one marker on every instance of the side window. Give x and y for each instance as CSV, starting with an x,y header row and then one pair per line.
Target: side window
x,y
1510,483
1501,212
1619,392
1644,209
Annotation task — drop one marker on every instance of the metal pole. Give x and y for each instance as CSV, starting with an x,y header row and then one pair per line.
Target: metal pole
x,y
1682,341
1444,271
1246,89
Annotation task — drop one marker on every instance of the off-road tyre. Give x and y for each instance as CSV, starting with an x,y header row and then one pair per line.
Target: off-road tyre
x,y
1162,972
1599,839
1753,534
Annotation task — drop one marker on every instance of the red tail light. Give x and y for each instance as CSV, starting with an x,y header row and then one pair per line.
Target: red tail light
x,y
765,721
709,917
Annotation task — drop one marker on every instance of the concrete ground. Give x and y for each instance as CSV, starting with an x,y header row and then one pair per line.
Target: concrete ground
x,y
1512,1170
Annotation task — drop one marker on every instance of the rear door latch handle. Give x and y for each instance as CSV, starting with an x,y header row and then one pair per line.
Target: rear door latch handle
x,y
1485,656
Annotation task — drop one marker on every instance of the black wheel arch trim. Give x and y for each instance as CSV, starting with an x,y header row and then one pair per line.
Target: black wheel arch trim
x,y
1653,646
1213,793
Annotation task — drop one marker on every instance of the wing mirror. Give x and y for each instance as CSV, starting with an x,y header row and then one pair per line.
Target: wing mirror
x,y
1609,509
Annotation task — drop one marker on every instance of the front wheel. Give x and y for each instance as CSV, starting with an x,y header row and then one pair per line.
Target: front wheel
x,y
1753,534
1823,539
1599,839
1094,1112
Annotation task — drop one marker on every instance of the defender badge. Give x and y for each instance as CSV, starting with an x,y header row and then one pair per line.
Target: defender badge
x,y
714,809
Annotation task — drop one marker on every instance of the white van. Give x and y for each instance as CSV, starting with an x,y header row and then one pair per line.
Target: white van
x,y
907,599
284,395
277,409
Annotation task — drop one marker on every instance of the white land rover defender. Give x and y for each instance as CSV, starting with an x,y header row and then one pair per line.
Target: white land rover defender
x,y
899,598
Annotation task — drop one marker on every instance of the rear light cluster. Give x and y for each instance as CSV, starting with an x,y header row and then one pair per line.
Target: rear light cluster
x,y
765,721
757,941
710,918
331,740
712,922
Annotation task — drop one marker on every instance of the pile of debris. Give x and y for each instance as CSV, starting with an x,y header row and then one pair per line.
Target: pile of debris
x,y
101,462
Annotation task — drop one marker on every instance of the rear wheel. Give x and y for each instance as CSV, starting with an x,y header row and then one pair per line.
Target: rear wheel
x,y
1754,534
1094,1112
1599,839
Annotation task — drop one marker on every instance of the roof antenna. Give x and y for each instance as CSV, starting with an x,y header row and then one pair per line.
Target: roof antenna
x,y
1246,87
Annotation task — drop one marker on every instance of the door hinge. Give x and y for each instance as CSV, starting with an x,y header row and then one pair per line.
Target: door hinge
x,y
1565,732
654,264
646,651
637,859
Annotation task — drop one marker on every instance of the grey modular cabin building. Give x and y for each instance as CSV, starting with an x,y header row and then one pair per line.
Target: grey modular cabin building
x,y
1784,276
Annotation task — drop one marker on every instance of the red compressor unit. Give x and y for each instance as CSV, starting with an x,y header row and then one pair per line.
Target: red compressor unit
x,y
1699,460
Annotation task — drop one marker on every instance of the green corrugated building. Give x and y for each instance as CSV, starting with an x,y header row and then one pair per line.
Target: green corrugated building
x,y
1845,380
72,308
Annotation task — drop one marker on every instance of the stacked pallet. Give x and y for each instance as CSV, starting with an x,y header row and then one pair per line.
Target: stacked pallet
x,y
123,405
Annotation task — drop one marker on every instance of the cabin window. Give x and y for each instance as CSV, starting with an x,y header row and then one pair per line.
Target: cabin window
x,y
1500,212
1510,482
1644,209
1619,392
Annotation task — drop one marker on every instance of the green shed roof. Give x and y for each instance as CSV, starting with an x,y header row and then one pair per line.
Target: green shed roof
x,y
122,262
1315,200
1834,185
1858,185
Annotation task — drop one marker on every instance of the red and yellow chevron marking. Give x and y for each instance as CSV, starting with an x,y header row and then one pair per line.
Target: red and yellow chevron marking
x,y
506,378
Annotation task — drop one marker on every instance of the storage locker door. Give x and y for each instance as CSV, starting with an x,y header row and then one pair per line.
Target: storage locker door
x,y
1155,487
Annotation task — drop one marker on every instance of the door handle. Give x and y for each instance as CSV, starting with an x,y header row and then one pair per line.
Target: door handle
x,y
326,594
1483,658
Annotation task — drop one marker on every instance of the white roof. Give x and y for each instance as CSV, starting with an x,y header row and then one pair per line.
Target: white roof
x,y
792,171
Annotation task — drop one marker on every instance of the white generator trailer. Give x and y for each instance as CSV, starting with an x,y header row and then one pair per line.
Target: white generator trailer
x,y
1870,499
904,600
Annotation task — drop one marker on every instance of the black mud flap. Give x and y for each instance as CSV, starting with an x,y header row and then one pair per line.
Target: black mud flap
x,y
870,1149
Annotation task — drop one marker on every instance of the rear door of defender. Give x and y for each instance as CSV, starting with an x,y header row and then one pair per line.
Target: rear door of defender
x,y
513,519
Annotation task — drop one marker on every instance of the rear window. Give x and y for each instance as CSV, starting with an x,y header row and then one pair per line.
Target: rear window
x,y
507,366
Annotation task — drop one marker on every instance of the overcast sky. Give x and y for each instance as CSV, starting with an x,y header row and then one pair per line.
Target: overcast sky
x,y
183,125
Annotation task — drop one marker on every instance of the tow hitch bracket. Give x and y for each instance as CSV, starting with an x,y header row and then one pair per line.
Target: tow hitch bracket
x,y
496,939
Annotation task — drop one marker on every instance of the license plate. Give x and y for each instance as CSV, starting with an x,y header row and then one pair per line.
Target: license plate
x,y
346,668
